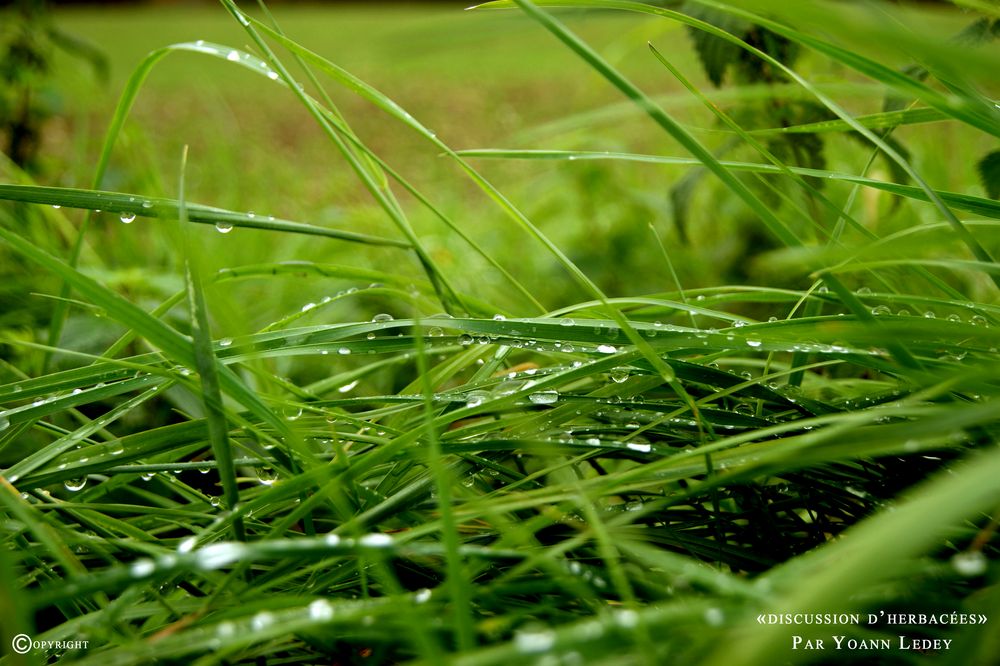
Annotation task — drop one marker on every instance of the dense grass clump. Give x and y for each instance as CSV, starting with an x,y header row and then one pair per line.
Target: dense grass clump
x,y
637,391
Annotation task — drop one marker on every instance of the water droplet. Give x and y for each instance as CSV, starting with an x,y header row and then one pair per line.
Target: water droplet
x,y
533,642
187,545
266,476
619,375
422,596
127,218
261,621
273,75
640,447
147,476
929,315
225,342
970,563
375,540
4,421
320,611
499,317
881,310
627,619
475,398
233,56
147,204
142,568
344,351
714,617
435,332
566,322
753,343
307,307
293,413
346,388
73,485
544,397
57,207
863,291
607,349
465,339
381,318
116,448
223,227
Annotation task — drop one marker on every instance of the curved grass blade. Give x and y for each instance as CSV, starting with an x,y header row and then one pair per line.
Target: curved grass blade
x,y
138,206
967,202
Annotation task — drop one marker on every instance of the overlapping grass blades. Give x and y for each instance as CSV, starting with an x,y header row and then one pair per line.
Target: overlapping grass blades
x,y
633,478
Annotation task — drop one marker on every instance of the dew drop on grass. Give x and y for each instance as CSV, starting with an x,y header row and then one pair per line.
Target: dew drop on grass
x,y
116,448
381,318
753,343
422,596
273,75
347,388
619,375
607,349
261,621
225,342
475,398
141,568
344,351
320,611
544,397
881,310
233,56
639,446
266,476
4,421
223,227
714,617
499,317
225,630
566,322
534,641
627,619
955,319
375,540
187,545
147,204
147,476
307,307
929,315
127,218
970,563
74,485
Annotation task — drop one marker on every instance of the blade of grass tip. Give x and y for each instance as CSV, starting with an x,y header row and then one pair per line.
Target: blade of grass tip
x,y
206,363
673,273
661,118
465,636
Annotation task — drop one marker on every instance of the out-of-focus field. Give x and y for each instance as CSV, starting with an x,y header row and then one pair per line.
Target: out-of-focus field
x,y
479,79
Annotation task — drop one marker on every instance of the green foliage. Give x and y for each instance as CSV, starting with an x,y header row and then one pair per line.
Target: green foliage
x,y
27,97
398,433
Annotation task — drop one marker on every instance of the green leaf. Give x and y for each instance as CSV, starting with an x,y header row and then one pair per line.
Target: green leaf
x,y
989,174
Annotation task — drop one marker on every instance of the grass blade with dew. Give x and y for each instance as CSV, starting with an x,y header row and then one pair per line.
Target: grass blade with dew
x,y
130,206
